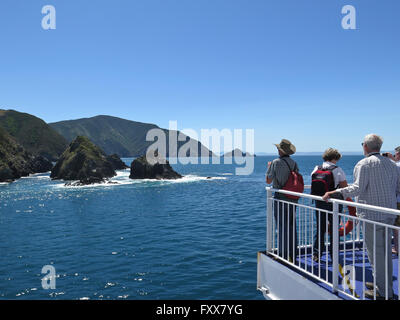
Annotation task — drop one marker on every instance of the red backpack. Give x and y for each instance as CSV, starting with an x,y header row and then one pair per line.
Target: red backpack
x,y
322,181
295,183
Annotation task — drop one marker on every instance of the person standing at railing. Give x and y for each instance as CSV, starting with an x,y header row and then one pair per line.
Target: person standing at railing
x,y
285,214
376,182
327,177
396,159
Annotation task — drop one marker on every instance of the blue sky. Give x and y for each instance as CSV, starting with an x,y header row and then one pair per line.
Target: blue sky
x,y
284,68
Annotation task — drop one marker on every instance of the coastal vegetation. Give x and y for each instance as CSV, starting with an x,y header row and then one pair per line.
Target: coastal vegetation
x,y
28,145
16,162
33,134
83,161
118,136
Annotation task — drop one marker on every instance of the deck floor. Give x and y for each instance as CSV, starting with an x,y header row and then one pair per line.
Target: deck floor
x,y
346,258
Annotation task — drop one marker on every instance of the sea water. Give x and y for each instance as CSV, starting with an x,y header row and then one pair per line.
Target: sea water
x,y
194,238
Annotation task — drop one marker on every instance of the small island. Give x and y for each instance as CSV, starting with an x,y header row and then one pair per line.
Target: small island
x,y
141,168
238,153
85,162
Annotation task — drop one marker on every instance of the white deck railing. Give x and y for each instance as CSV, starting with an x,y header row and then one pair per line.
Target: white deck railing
x,y
352,247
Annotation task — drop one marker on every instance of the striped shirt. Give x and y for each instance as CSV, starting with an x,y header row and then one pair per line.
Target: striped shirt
x,y
376,181
279,171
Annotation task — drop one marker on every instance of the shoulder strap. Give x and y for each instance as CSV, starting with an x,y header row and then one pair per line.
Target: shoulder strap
x,y
288,165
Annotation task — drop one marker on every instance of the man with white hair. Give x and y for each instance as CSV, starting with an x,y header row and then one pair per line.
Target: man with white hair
x,y
376,181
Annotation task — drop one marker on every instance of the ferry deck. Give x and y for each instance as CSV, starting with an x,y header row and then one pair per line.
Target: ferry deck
x,y
342,276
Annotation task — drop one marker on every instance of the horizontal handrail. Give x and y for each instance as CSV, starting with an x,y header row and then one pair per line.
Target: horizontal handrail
x,y
343,202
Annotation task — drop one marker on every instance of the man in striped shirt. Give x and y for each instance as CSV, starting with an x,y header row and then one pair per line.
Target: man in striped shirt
x,y
376,181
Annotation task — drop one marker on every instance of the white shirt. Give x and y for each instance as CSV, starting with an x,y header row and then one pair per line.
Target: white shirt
x,y
376,182
338,173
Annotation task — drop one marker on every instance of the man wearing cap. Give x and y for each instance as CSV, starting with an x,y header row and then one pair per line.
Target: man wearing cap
x,y
285,214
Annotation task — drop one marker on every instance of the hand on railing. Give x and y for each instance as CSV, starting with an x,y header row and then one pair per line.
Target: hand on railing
x,y
328,195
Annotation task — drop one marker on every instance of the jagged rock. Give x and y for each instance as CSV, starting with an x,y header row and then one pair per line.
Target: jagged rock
x,y
116,162
40,164
6,174
83,161
86,182
141,168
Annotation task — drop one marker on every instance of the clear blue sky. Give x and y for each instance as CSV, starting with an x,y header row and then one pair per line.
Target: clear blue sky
x,y
285,68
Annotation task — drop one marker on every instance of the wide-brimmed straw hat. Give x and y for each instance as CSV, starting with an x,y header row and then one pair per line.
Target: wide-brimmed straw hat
x,y
286,147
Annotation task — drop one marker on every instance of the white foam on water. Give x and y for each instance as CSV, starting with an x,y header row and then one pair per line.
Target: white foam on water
x,y
122,178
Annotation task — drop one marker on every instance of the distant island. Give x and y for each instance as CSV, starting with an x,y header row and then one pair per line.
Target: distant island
x,y
238,153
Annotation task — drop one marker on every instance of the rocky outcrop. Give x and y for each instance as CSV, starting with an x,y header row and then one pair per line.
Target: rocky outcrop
x,y
89,181
83,161
16,162
141,168
116,162
40,164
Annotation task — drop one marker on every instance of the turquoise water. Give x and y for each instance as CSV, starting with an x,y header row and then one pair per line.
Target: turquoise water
x,y
191,239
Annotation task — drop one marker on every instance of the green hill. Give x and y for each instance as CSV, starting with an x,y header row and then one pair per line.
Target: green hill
x,y
35,135
16,162
114,135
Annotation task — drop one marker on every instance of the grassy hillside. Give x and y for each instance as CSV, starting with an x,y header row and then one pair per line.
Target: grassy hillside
x,y
16,162
35,135
114,135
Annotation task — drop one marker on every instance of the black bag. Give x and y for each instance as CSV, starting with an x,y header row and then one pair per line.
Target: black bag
x,y
322,181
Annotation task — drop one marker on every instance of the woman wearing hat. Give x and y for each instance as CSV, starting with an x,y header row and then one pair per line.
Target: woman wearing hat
x,y
285,214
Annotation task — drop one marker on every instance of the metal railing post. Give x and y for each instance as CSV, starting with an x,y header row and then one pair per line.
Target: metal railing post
x,y
270,215
335,249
